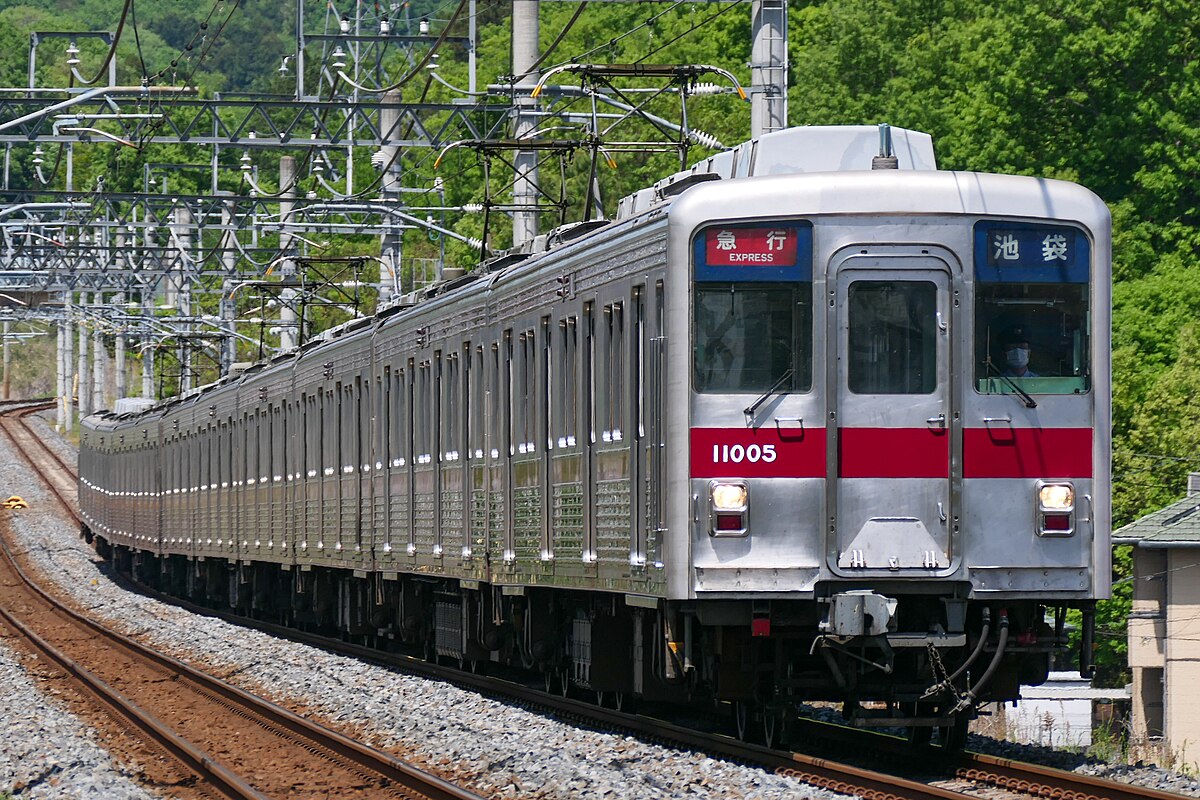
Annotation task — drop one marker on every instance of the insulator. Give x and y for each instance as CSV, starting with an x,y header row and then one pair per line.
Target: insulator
x,y
476,243
473,208
379,160
706,139
707,88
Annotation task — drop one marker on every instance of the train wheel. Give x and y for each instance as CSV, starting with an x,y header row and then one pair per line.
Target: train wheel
x,y
772,726
920,735
742,715
954,736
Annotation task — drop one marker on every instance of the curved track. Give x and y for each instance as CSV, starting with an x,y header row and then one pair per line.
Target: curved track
x,y
235,744
931,773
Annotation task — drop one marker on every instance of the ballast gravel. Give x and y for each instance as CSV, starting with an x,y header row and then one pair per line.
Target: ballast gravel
x,y
45,751
497,749
500,750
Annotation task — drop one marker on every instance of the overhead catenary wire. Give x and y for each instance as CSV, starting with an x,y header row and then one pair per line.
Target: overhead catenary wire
x,y
112,49
689,31
649,21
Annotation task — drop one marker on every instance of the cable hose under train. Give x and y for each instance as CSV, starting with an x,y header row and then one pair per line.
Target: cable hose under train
x,y
984,633
968,699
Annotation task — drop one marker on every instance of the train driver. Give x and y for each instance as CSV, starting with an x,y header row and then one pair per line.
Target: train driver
x,y
1016,354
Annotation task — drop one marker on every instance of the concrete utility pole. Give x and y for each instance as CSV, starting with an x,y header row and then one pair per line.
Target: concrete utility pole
x,y
68,366
119,355
84,370
227,307
525,54
119,341
181,225
390,250
768,67
148,349
288,339
60,379
98,355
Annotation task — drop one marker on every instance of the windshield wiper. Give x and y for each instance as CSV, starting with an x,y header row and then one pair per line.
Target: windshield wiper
x,y
750,409
1029,401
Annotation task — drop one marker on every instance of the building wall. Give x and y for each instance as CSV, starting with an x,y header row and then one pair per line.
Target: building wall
x,y
1147,620
1147,641
1182,654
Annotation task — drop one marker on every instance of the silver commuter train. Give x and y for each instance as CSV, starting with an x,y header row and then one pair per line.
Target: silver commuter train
x,y
791,427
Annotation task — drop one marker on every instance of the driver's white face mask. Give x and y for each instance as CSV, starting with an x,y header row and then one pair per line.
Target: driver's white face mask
x,y
1018,357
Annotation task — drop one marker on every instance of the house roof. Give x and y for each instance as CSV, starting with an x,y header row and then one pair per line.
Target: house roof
x,y
1176,525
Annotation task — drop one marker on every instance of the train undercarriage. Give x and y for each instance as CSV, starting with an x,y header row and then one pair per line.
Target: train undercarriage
x,y
920,662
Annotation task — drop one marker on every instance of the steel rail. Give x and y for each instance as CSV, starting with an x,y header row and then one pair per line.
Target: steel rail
x,y
204,766
821,772
405,776
976,768
1042,781
18,415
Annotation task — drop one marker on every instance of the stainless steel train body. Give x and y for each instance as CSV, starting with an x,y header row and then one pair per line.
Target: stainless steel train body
x,y
757,437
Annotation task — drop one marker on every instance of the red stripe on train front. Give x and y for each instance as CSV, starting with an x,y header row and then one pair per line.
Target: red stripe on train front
x,y
893,453
1001,451
766,452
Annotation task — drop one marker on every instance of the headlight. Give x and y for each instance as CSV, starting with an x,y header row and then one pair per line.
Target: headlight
x,y
729,510
728,496
1056,497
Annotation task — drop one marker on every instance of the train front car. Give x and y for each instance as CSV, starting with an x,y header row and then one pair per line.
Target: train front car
x,y
898,402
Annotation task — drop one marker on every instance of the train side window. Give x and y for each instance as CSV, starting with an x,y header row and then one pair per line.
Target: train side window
x,y
398,421
476,400
382,417
311,466
451,408
565,411
266,453
243,462
497,427
422,413
638,361
329,430
892,337
350,417
615,358
546,369
1032,313
589,370
523,376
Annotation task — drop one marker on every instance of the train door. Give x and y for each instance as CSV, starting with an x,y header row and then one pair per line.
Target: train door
x,y
891,419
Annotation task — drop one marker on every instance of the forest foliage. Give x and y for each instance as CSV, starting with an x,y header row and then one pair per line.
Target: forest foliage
x,y
1102,92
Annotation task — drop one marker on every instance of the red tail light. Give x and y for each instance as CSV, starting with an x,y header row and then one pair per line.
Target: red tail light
x,y
1056,522
730,522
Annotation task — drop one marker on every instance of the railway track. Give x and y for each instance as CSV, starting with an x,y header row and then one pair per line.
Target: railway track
x,y
233,743
913,774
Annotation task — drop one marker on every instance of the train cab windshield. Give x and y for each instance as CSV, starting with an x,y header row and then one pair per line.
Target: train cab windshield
x,y
752,308
1032,316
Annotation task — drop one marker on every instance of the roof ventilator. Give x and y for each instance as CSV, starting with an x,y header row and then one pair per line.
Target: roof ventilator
x,y
886,158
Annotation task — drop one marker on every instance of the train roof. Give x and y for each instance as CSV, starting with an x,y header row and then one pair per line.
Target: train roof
x,y
926,192
839,165
810,149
